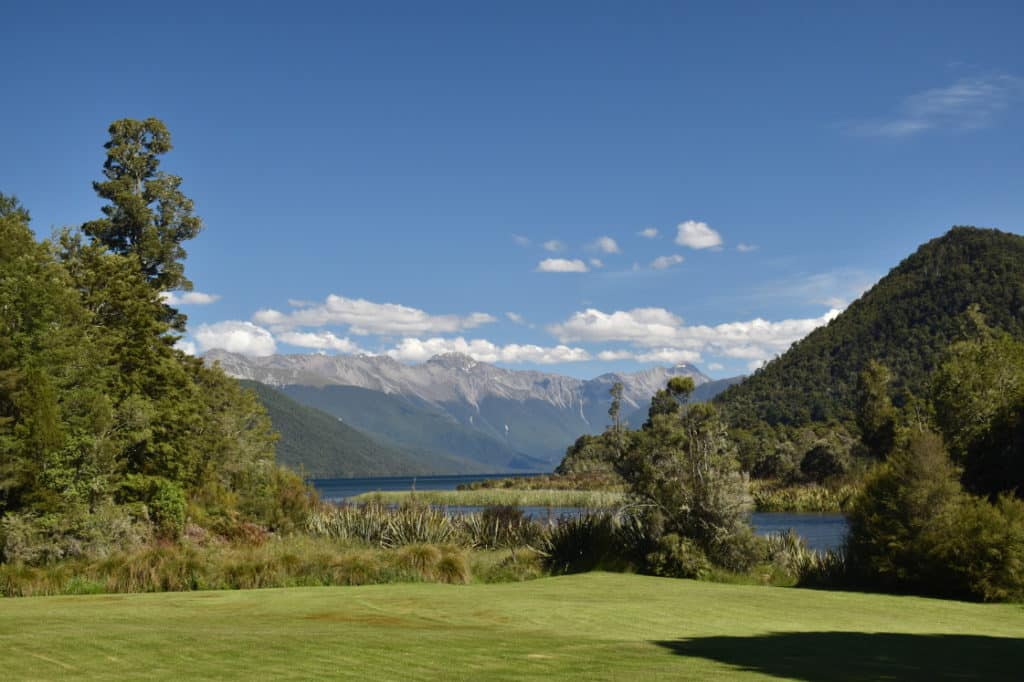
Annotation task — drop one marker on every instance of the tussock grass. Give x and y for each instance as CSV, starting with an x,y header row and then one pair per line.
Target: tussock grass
x,y
281,562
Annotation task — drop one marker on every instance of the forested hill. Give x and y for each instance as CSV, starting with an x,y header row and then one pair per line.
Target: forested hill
x,y
906,321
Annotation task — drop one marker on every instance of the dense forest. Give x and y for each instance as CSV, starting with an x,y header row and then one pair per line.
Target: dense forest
x,y
108,434
906,322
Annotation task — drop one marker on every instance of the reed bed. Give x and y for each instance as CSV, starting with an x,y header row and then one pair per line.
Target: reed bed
x,y
771,497
571,481
389,526
494,497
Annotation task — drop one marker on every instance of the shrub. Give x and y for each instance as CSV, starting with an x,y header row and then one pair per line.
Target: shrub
x,y
588,542
678,557
914,529
738,550
44,539
822,462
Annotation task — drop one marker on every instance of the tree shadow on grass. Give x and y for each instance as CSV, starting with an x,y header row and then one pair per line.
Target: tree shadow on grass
x,y
849,656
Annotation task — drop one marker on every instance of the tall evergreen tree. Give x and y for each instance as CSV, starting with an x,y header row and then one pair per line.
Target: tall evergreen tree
x,y
148,216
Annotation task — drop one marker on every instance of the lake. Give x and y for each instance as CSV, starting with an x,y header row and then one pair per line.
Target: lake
x,y
821,531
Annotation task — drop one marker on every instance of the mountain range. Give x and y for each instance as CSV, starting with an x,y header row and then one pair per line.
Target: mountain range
x,y
451,414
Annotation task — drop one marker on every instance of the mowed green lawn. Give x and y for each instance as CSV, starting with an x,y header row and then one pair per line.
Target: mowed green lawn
x,y
589,627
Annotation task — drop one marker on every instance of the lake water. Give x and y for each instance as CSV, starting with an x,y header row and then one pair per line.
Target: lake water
x,y
821,531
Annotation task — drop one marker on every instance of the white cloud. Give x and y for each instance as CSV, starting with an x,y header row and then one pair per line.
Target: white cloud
x,y
746,248
320,341
561,265
596,263
186,347
419,350
607,245
188,298
967,104
520,240
715,367
697,235
516,317
366,317
649,233
675,356
236,336
663,262
658,330
554,245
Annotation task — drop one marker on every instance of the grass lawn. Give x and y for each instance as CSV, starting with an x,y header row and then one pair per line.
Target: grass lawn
x,y
593,626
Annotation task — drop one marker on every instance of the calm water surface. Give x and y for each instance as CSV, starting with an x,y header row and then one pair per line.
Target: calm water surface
x,y
822,531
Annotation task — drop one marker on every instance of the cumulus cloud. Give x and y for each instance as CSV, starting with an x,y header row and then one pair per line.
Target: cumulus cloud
x,y
236,336
596,263
607,245
664,262
649,233
967,104
188,298
482,350
657,328
697,235
366,317
746,248
675,356
561,265
554,245
520,240
186,347
715,367
320,341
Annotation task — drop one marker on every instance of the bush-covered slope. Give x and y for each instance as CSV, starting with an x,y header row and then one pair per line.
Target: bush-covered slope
x,y
325,447
907,320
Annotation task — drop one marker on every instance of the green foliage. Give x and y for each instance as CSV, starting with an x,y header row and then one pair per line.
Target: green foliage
x,y
148,216
678,557
822,463
107,433
683,476
914,529
978,397
875,415
906,321
164,501
591,455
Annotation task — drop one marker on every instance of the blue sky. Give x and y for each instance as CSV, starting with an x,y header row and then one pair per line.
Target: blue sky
x,y
399,178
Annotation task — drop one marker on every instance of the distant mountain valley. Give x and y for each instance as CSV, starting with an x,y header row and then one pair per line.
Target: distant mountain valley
x,y
450,414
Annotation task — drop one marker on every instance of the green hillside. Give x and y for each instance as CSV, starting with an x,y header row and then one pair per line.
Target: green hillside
x,y
324,447
907,320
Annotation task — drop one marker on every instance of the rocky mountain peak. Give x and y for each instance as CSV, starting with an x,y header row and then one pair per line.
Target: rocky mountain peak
x,y
459,361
